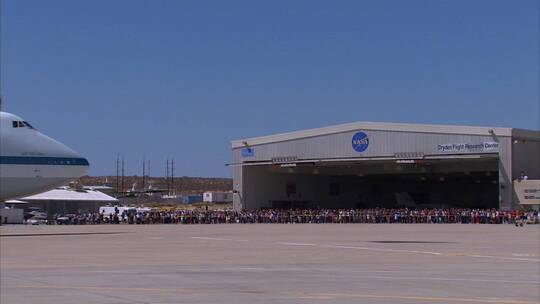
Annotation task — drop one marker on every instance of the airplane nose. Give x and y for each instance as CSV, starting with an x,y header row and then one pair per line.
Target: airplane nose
x,y
80,161
64,155
79,165
85,162
72,164
75,158
85,166
72,156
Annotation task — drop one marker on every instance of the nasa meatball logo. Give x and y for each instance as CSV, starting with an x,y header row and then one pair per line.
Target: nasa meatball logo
x,y
360,142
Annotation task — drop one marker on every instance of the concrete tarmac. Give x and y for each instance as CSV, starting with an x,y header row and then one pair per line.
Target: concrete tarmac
x,y
270,263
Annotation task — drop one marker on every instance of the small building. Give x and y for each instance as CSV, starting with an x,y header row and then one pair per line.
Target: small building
x,y
217,197
11,215
191,198
528,193
66,200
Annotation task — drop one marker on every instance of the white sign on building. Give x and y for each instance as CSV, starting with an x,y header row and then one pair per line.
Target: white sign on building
x,y
468,147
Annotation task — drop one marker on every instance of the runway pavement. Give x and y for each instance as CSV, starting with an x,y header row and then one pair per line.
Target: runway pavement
x,y
270,263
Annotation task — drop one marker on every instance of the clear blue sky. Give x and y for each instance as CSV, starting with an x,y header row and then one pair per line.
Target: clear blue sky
x,y
183,78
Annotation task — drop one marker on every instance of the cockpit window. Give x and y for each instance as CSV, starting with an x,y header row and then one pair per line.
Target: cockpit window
x,y
21,124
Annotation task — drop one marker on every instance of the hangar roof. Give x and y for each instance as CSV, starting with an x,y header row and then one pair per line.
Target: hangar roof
x,y
62,194
384,126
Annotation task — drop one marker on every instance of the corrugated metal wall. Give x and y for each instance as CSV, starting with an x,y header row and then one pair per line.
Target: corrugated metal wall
x,y
526,158
381,143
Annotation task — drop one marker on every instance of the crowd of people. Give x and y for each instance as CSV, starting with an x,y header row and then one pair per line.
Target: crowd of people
x,y
304,216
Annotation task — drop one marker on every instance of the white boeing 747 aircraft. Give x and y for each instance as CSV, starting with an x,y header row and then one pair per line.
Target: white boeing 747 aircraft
x,y
31,162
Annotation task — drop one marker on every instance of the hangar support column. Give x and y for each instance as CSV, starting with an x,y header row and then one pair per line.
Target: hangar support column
x,y
238,191
505,172
505,185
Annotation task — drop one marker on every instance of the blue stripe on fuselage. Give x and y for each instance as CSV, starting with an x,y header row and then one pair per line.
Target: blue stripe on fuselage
x,y
36,160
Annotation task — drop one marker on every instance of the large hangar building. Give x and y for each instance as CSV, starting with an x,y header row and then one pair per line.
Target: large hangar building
x,y
366,164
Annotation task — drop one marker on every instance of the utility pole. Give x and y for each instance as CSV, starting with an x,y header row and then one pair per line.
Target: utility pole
x,y
172,176
144,173
122,174
117,173
148,171
168,182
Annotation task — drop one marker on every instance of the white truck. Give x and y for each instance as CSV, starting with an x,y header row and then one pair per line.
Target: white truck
x,y
108,210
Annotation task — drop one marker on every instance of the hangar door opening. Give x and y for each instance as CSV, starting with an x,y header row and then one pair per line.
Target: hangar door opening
x,y
442,183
